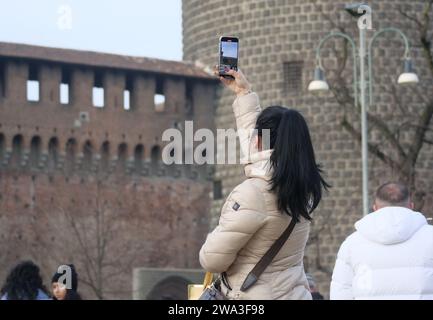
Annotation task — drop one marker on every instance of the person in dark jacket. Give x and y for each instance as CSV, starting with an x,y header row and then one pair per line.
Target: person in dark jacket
x,y
60,283
24,282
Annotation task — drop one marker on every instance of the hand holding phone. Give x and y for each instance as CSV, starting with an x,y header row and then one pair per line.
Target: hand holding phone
x,y
238,83
228,55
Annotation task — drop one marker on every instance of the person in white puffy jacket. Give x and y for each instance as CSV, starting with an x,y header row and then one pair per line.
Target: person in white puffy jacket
x,y
390,256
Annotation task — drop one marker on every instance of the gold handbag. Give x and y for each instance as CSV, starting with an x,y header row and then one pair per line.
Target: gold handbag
x,y
196,290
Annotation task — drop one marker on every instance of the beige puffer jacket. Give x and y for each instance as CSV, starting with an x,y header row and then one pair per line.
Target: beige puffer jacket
x,y
250,223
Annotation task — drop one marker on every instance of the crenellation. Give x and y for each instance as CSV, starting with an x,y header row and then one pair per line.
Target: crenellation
x,y
78,119
114,86
82,81
174,92
15,82
143,93
50,77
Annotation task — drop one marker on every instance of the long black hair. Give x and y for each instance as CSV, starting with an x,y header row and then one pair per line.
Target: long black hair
x,y
23,282
296,177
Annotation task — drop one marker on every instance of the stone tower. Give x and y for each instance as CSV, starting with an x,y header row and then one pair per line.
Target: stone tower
x,y
277,53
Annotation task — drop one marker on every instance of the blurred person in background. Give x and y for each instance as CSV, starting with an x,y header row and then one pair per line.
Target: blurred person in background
x,y
24,282
59,288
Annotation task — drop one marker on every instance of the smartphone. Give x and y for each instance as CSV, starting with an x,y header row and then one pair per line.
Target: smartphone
x,y
228,55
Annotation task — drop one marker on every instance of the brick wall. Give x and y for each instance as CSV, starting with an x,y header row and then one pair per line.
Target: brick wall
x,y
93,191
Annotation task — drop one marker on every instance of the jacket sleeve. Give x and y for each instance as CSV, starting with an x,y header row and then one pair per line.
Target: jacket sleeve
x,y
342,277
237,224
246,109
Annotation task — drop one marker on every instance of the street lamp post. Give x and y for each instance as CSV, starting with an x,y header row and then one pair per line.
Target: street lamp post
x,y
364,128
360,85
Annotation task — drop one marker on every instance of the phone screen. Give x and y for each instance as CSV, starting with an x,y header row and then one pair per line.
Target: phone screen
x,y
228,54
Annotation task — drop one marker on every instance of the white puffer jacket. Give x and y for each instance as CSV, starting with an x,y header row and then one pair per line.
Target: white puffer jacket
x,y
390,256
250,223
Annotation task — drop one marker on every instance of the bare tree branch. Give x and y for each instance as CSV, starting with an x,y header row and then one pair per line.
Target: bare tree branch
x,y
425,40
423,25
389,135
371,147
398,101
328,18
344,98
108,251
409,17
420,133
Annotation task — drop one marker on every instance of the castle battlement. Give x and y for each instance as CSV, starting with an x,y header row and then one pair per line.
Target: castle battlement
x,y
81,111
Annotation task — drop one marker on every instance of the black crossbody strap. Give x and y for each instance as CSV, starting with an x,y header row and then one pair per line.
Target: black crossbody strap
x,y
263,263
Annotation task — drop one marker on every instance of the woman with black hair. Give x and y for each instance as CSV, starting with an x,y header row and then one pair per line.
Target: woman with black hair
x,y
24,283
59,288
284,182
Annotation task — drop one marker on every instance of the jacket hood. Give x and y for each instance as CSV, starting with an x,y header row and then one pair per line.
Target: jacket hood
x,y
390,225
259,166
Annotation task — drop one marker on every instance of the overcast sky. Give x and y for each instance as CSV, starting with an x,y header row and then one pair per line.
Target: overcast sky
x,y
133,27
